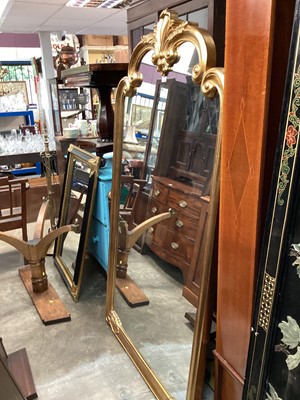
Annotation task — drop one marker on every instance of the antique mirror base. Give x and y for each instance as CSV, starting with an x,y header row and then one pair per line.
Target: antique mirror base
x,y
131,293
48,304
45,299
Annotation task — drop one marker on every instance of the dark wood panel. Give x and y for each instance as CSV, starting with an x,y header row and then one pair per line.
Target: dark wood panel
x,y
37,190
191,288
247,113
19,366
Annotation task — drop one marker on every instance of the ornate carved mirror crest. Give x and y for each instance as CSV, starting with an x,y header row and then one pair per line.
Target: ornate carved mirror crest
x,y
165,46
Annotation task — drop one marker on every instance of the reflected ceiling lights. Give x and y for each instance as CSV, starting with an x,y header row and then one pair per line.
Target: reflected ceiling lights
x,y
99,3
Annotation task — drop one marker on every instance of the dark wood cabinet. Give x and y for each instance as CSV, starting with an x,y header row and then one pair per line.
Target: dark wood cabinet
x,y
165,126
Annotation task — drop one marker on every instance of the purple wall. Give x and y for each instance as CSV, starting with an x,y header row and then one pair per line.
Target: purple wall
x,y
19,40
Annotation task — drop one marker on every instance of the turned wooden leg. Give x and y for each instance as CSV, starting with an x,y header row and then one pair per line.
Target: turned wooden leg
x,y
122,264
38,276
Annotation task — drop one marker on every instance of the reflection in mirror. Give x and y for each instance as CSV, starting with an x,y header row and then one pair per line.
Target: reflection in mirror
x,y
169,145
76,205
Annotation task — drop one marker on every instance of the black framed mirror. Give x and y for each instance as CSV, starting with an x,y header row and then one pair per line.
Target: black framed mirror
x,y
77,202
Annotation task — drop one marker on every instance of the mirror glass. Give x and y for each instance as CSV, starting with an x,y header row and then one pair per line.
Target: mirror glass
x,y
76,207
164,203
169,137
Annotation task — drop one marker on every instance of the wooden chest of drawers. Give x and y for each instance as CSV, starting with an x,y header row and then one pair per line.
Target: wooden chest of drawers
x,y
98,242
174,240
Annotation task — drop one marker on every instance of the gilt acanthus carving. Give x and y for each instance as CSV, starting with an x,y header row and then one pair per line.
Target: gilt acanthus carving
x,y
165,41
114,321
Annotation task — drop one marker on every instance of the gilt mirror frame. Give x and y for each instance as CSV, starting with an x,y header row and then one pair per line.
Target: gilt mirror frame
x,y
92,163
169,33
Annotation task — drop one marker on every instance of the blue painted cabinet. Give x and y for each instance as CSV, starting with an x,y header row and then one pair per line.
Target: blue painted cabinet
x,y
98,243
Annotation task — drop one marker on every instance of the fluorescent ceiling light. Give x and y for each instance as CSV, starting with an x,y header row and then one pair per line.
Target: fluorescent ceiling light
x,y
110,3
99,3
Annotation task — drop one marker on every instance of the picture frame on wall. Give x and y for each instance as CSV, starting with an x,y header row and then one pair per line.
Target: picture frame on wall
x,y
273,364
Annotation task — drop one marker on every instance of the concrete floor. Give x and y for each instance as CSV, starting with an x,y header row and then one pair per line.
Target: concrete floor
x,y
79,359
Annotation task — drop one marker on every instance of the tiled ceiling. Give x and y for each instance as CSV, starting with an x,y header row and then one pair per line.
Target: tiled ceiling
x,y
31,16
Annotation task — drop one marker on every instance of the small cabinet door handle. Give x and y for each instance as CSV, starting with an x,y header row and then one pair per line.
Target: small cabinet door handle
x,y
179,223
174,245
156,192
95,239
150,230
183,204
154,209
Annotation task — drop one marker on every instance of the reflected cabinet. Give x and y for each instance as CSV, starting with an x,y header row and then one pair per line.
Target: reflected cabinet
x,y
177,166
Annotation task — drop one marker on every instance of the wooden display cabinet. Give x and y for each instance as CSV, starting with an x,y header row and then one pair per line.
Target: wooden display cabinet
x,y
65,103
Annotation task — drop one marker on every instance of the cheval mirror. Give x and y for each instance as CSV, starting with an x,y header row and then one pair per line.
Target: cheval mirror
x,y
167,148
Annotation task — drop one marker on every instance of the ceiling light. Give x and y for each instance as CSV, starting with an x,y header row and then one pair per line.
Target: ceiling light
x,y
99,3
77,3
110,3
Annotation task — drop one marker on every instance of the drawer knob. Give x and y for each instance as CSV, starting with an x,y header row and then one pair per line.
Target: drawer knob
x,y
174,245
154,210
156,192
183,204
150,230
95,239
179,223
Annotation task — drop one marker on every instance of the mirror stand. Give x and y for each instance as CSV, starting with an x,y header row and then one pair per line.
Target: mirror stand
x,y
44,297
129,290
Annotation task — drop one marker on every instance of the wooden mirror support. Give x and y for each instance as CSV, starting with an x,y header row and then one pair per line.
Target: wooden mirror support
x,y
35,252
132,294
34,274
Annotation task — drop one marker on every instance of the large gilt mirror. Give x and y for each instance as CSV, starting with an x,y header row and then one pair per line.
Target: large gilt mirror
x,y
164,203
78,196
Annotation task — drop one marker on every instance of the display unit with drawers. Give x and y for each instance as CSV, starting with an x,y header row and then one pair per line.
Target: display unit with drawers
x,y
174,240
99,232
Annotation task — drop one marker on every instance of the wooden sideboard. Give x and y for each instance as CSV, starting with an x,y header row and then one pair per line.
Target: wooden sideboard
x,y
173,240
